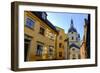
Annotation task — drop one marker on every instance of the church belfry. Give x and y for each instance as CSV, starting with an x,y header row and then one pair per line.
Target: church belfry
x,y
74,41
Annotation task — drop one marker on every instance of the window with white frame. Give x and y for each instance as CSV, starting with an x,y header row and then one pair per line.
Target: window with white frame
x,y
51,51
39,50
30,22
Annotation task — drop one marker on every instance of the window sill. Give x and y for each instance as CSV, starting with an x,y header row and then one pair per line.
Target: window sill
x,y
29,27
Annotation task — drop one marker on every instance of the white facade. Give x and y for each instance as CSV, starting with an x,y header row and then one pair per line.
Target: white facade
x,y
74,38
74,42
74,53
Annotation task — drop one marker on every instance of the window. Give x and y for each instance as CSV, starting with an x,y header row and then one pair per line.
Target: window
x,y
26,48
73,49
78,56
60,54
73,56
72,38
42,30
52,36
60,45
72,32
30,23
60,37
50,52
43,15
76,38
39,50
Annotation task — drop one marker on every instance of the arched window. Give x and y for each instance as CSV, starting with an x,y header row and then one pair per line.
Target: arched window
x,y
78,56
73,56
60,54
73,49
72,38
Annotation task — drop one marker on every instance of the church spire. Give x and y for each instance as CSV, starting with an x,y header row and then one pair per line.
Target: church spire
x,y
72,29
71,23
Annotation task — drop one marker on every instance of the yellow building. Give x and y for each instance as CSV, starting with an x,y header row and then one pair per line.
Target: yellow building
x,y
40,37
83,48
66,46
61,44
83,53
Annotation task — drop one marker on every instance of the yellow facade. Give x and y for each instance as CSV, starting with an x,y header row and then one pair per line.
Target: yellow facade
x,y
32,38
66,47
61,44
83,52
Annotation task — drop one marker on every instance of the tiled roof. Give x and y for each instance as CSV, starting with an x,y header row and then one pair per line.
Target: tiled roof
x,y
39,15
74,45
72,29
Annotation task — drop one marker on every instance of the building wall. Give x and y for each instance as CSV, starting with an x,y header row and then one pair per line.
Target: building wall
x,y
74,53
36,37
61,44
66,47
83,48
75,39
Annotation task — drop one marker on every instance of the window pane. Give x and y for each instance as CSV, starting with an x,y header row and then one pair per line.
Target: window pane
x,y
30,23
60,54
39,50
42,31
26,47
72,38
51,51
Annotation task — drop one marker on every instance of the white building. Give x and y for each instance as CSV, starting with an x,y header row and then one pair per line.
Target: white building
x,y
74,42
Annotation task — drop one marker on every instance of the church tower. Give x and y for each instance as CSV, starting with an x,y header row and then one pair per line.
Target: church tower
x,y
74,42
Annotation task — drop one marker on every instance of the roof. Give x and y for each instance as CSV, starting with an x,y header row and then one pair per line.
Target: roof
x,y
72,29
59,28
74,45
39,15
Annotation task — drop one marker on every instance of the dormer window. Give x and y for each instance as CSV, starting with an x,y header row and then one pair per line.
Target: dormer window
x,y
44,15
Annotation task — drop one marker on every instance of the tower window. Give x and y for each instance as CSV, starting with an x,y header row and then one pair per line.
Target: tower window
x,y
73,49
78,56
72,38
76,39
73,56
60,54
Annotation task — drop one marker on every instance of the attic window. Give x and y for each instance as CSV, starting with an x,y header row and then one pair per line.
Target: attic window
x,y
44,15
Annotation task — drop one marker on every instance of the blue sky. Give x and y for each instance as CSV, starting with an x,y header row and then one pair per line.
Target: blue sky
x,y
63,20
